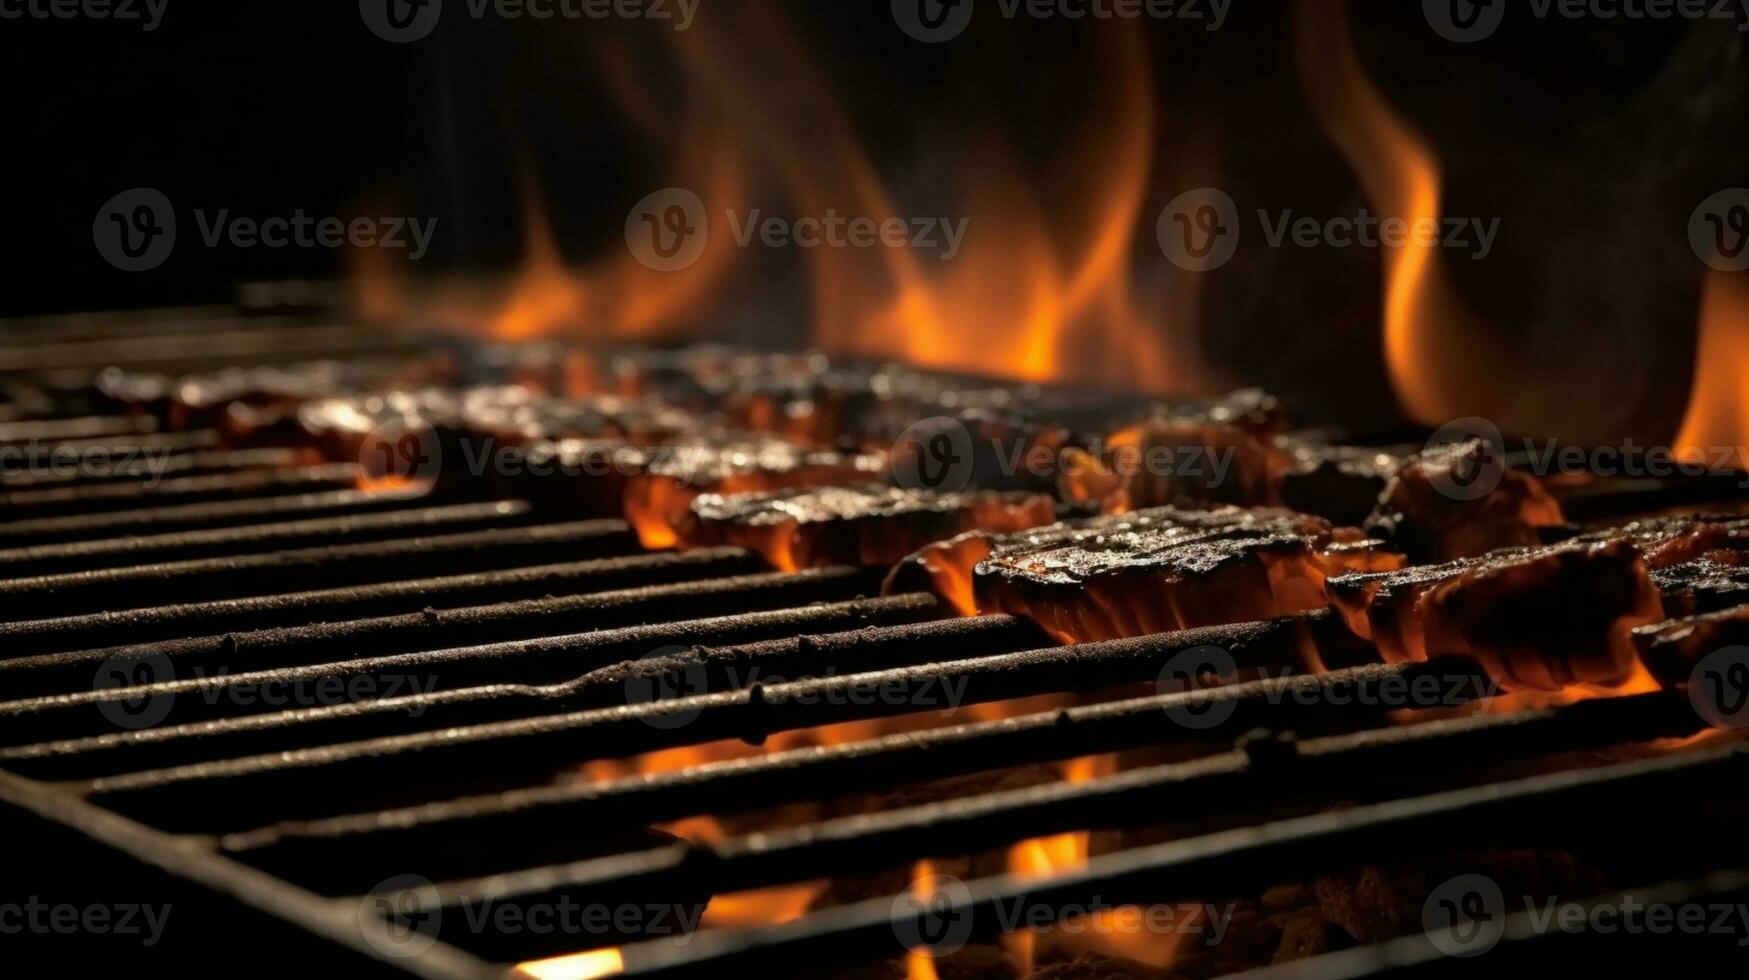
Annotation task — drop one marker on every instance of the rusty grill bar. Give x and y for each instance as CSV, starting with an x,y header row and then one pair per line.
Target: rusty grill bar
x,y
260,569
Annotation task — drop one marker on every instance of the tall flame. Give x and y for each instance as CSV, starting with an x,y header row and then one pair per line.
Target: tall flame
x,y
1718,409
614,297
1443,359
1033,291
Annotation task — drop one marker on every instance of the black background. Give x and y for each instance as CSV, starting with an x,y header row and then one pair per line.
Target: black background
x,y
1593,141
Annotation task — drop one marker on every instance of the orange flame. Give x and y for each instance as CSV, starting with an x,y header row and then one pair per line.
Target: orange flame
x,y
616,297
1718,410
1123,932
1030,284
1444,360
919,964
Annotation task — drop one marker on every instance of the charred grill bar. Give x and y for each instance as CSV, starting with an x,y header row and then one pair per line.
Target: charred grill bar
x,y
494,646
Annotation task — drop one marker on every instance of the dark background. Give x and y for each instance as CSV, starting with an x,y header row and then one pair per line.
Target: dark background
x,y
1592,140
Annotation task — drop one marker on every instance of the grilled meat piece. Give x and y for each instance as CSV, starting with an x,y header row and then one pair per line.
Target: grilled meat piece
x,y
861,525
660,492
1459,501
1147,572
1538,618
1219,451
1342,483
1701,586
253,406
1676,539
1700,562
1671,649
459,433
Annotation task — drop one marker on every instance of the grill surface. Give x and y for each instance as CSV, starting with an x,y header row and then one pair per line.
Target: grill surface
x,y
483,650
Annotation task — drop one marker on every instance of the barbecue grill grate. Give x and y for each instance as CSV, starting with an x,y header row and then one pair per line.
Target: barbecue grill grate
x,y
488,646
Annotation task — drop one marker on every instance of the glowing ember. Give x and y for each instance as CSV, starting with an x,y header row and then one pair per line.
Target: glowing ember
x,y
579,966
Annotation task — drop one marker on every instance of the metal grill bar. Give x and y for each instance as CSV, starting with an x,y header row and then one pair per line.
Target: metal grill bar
x,y
158,467
36,455
1303,704
185,741
284,571
251,658
152,624
278,786
1529,947
1628,800
89,427
96,498
1228,789
218,542
224,348
193,517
